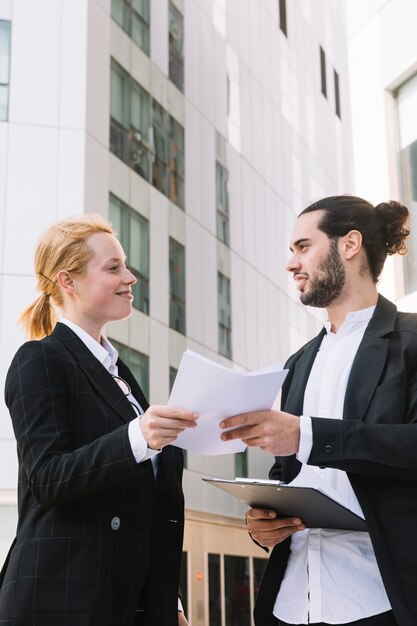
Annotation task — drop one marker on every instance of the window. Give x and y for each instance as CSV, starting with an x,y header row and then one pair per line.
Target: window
x,y
283,16
222,192
224,315
258,571
176,286
323,72
214,588
406,103
133,233
145,136
232,585
237,590
4,69
137,362
222,203
241,464
176,47
134,17
337,94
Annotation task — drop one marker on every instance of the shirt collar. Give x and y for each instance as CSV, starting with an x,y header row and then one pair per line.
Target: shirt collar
x,y
353,318
103,351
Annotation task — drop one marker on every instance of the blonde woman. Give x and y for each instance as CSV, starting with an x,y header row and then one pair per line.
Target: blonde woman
x,y
100,527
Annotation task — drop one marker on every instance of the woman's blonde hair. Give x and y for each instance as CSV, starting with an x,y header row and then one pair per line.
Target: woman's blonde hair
x,y
62,247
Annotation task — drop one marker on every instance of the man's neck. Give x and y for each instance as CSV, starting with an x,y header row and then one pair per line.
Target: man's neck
x,y
356,300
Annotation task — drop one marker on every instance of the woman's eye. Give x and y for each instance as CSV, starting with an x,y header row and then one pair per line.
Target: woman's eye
x,y
114,268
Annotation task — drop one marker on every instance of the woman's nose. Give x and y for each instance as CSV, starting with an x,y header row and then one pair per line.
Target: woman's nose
x,y
130,278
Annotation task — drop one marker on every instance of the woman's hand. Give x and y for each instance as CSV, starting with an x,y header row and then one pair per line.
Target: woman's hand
x,y
161,425
267,529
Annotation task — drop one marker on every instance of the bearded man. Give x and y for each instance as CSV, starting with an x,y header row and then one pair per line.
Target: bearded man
x,y
349,414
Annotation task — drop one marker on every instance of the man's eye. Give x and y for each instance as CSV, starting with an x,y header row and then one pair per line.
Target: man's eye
x,y
114,268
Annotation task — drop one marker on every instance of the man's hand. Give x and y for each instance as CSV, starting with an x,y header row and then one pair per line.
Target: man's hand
x,y
161,425
275,432
268,529
182,620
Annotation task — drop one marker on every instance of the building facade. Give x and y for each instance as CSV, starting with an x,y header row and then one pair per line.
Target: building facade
x,y
383,77
200,128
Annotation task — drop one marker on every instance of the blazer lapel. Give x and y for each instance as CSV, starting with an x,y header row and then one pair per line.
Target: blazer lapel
x,y
293,402
369,363
97,374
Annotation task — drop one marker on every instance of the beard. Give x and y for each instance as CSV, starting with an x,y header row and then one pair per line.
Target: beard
x,y
328,282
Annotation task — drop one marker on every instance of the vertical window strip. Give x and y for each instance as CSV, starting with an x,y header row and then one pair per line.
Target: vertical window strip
x,y
337,94
133,232
283,16
5,37
323,72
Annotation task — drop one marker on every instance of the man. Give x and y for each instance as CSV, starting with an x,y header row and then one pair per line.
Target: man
x,y
349,414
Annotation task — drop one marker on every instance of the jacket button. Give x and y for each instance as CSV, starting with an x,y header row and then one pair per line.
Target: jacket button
x,y
328,449
115,523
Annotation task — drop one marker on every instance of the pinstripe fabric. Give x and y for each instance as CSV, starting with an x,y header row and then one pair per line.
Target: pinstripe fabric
x,y
97,535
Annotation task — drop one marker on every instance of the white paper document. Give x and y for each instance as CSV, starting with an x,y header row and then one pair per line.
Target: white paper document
x,y
216,392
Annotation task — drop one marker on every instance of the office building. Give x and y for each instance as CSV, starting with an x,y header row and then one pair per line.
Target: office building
x,y
200,128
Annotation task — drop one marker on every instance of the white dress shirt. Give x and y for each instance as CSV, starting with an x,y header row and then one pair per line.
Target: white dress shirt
x,y
107,355
332,575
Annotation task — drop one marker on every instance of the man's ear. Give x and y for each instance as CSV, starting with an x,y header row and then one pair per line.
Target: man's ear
x,y
65,281
351,244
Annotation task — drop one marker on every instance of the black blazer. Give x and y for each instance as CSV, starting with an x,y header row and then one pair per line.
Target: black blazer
x,y
97,535
375,443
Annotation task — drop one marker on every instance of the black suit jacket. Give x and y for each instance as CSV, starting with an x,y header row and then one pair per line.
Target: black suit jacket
x,y
375,443
97,535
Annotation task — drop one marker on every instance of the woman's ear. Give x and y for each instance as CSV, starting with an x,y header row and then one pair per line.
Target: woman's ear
x,y
64,280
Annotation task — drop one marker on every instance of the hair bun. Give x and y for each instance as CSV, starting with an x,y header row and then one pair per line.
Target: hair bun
x,y
393,217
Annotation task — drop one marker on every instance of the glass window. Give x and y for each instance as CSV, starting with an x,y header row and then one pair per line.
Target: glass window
x,y
133,233
137,362
176,47
176,286
323,72
258,571
406,101
119,112
4,69
224,316
237,590
160,148
145,136
176,169
214,590
172,375
337,94
283,16
241,464
133,16
222,203
140,131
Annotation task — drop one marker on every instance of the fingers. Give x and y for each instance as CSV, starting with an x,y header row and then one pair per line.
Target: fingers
x,y
268,529
161,425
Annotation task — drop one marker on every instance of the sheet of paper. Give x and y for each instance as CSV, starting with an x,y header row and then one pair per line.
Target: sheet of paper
x,y
216,392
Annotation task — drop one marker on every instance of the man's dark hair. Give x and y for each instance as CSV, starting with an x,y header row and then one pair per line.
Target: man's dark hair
x,y
383,227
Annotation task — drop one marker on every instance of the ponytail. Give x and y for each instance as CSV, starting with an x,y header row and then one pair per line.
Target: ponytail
x,y
39,318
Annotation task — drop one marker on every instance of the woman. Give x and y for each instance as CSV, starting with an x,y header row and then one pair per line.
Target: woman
x,y
100,527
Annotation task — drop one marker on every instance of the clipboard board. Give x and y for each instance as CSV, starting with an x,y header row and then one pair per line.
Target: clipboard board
x,y
314,508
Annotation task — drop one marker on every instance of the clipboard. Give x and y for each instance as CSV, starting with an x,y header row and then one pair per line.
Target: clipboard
x,y
314,508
